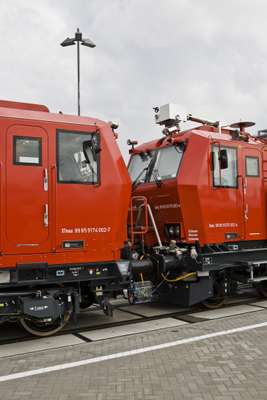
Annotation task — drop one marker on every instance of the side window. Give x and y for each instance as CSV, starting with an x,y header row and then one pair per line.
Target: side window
x,y
27,150
72,165
252,166
224,166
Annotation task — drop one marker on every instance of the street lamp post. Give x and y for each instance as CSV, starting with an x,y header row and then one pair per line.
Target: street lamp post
x,y
85,42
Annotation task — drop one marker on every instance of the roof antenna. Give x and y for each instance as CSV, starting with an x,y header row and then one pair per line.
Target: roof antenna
x,y
241,125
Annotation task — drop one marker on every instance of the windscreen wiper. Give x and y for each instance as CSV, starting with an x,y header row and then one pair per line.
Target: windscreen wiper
x,y
157,178
136,182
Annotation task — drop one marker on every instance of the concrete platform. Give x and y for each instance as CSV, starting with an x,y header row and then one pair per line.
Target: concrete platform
x,y
226,312
95,318
150,310
262,303
131,329
36,345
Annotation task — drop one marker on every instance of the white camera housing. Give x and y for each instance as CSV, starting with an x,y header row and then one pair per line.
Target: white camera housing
x,y
169,112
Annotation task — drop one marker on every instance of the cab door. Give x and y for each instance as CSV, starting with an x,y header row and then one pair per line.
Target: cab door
x,y
80,215
27,190
253,195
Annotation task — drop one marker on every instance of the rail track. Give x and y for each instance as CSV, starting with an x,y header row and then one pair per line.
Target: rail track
x,y
125,314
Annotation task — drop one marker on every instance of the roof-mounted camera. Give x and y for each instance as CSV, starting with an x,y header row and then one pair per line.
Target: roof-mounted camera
x,y
171,115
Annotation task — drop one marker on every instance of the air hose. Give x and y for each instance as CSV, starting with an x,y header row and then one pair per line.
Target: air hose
x,y
178,278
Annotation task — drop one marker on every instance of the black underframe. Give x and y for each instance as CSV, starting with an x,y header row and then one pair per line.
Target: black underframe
x,y
42,274
214,257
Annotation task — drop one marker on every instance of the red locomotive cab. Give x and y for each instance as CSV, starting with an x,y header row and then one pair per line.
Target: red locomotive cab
x,y
64,198
203,187
206,191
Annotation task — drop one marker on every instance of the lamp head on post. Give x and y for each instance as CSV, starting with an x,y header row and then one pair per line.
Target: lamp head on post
x,y
78,38
85,42
68,42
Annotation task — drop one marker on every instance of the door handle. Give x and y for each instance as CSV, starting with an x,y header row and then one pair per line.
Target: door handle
x,y
45,180
46,215
246,212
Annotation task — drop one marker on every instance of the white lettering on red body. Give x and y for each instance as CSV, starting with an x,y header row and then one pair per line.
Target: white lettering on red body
x,y
90,229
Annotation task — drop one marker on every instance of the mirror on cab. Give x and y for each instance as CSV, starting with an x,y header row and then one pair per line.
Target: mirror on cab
x,y
91,146
223,158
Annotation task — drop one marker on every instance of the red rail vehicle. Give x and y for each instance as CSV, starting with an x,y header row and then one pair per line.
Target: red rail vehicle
x,y
64,196
199,219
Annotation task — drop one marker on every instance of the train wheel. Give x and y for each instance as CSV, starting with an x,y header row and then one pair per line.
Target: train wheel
x,y
41,328
214,302
219,294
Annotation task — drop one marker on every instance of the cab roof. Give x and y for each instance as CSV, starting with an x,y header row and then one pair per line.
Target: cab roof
x,y
39,112
206,131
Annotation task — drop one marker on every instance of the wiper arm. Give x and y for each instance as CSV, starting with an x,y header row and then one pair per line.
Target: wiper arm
x,y
136,182
157,178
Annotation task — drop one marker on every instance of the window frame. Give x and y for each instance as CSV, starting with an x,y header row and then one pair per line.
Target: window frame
x,y
74,132
258,166
220,147
133,157
153,162
40,147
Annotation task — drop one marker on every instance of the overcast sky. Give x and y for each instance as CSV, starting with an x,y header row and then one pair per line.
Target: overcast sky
x,y
209,56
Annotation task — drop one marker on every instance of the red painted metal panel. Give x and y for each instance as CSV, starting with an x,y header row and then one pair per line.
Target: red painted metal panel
x,y
94,214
